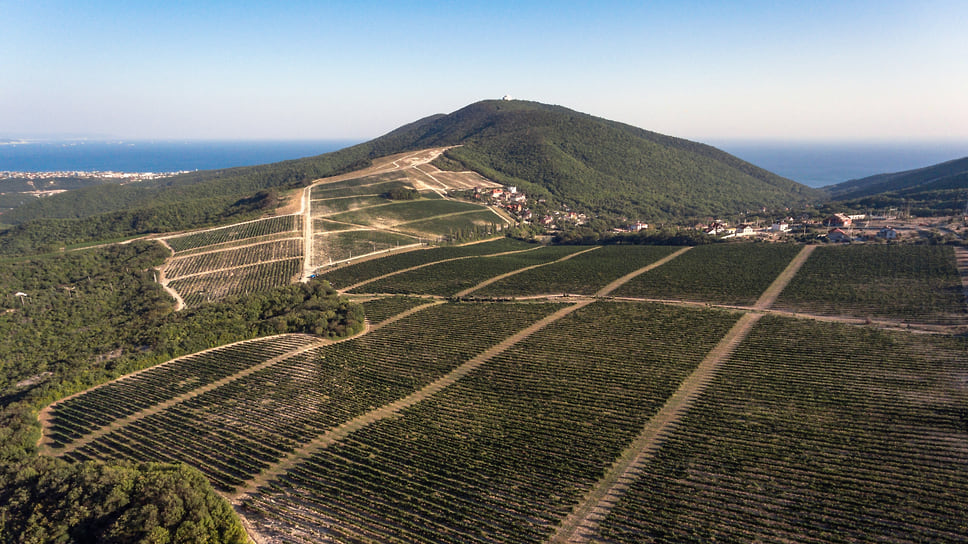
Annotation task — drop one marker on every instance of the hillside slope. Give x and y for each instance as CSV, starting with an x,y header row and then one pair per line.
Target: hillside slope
x,y
579,160
937,189
599,165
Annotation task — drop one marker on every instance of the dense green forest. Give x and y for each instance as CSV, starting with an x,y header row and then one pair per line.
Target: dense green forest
x,y
73,320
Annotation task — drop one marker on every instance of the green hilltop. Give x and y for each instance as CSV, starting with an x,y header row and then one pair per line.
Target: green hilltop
x,y
599,165
588,163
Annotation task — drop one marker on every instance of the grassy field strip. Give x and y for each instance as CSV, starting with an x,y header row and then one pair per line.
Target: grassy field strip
x,y
228,268
391,409
582,523
184,255
199,231
394,273
604,291
487,282
44,415
432,217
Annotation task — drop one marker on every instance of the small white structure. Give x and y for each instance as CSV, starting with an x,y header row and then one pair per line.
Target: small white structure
x,y
506,98
887,233
780,226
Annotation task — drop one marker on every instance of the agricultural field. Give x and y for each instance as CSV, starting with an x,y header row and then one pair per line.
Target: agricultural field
x,y
218,284
814,432
246,424
474,223
368,270
452,277
334,247
720,273
233,233
239,259
478,421
202,263
406,211
583,274
914,283
507,450
380,309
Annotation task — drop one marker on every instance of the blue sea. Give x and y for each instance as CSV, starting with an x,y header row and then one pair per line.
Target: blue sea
x,y
813,164
820,164
153,156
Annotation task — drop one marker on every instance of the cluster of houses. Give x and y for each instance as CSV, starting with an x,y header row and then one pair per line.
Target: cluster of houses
x,y
515,202
835,224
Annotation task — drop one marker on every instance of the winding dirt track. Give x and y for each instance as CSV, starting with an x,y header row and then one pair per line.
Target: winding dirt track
x,y
582,523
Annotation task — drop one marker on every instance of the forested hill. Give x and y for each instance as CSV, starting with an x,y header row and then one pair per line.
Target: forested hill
x,y
932,190
589,163
599,165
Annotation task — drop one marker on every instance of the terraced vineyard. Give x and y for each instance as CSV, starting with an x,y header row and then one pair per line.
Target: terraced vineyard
x,y
367,270
721,273
814,432
919,284
615,421
243,426
240,280
452,277
507,450
235,260
584,274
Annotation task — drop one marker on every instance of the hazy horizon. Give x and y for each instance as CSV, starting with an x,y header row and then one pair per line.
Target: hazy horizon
x,y
215,70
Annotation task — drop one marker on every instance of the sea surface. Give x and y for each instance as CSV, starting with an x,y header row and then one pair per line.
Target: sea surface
x,y
820,164
813,164
153,156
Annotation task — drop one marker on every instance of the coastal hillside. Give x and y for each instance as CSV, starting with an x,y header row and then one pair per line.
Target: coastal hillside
x,y
598,165
933,190
570,158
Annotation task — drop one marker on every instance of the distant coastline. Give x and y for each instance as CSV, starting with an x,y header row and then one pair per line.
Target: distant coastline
x,y
817,164
152,156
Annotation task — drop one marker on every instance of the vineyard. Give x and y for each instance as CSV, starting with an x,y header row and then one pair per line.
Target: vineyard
x,y
239,259
243,426
916,283
478,421
814,432
506,451
721,273
219,284
368,270
584,274
451,277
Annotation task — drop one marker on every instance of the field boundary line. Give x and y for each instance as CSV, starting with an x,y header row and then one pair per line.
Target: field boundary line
x,y
615,284
581,524
419,266
210,229
783,279
230,268
390,409
500,277
177,257
441,216
44,414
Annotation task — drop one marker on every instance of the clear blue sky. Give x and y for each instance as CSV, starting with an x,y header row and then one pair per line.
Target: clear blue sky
x,y
761,70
